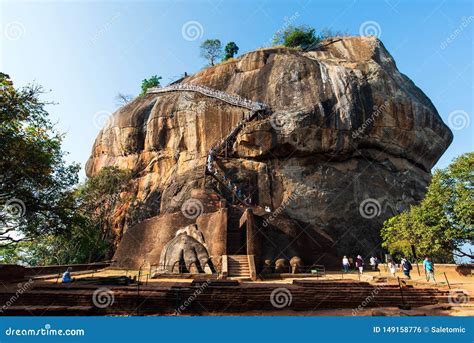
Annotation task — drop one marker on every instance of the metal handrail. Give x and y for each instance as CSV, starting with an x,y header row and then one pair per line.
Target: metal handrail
x,y
229,98
236,100
320,269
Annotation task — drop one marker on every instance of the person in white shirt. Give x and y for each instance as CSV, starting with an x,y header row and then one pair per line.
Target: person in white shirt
x,y
345,264
360,264
393,267
372,262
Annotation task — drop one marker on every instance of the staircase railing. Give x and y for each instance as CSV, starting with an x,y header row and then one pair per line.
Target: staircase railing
x,y
213,168
230,189
235,100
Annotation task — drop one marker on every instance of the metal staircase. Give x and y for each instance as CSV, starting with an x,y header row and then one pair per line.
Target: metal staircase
x,y
235,100
221,148
224,145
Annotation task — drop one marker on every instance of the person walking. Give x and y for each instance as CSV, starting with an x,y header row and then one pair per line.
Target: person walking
x,y
429,269
345,264
360,264
376,261
393,267
239,193
372,262
210,158
406,267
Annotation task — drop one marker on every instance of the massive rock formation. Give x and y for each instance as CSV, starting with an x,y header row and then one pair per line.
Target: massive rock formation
x,y
350,142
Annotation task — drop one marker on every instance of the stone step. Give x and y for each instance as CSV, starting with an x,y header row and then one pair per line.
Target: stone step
x,y
48,311
229,300
237,258
234,297
238,265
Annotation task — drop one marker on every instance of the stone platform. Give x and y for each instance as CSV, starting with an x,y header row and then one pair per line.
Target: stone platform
x,y
183,297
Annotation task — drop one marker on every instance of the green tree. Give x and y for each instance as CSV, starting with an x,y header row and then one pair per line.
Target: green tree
x,y
153,81
36,185
302,36
230,50
99,199
91,235
45,218
443,222
211,50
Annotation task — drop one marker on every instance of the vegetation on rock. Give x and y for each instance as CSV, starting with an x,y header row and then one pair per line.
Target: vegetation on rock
x,y
153,81
303,37
230,50
123,99
211,50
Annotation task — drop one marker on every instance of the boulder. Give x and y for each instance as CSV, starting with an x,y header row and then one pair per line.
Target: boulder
x,y
349,142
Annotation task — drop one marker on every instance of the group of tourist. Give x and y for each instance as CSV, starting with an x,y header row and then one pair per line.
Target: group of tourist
x,y
348,263
405,266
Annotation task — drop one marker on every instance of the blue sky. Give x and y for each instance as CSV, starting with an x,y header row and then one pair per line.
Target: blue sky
x,y
88,51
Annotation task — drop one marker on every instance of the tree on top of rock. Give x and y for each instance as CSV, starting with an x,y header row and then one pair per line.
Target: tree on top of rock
x,y
230,50
211,50
303,37
153,81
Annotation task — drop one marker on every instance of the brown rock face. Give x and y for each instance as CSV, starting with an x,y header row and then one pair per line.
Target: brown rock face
x,y
350,142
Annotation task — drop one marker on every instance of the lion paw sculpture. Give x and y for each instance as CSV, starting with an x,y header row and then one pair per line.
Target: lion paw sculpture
x,y
186,253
